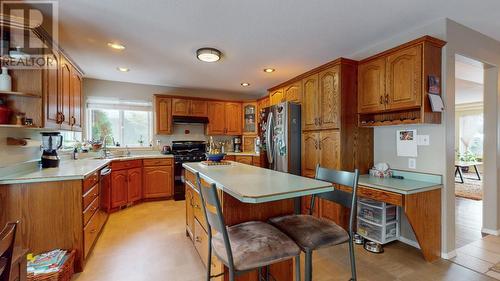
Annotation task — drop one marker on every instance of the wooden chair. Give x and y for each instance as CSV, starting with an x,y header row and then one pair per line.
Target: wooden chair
x,y
312,233
7,239
243,247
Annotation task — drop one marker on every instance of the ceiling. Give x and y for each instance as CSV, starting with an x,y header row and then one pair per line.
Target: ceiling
x,y
292,36
469,81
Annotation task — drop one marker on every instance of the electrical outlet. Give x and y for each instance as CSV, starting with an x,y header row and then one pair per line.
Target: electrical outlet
x,y
412,163
423,140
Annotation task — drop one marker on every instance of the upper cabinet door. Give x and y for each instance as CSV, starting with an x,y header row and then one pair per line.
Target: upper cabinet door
x,y
198,108
329,93
404,78
329,149
180,107
51,95
293,92
250,118
216,118
163,116
371,86
310,102
276,97
76,101
233,118
65,94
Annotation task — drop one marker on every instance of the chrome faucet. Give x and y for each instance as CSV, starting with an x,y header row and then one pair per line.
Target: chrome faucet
x,y
105,150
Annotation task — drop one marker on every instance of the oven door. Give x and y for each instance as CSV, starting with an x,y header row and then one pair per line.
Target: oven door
x,y
179,188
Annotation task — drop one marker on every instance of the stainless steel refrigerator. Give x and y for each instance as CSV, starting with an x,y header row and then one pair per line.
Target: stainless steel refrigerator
x,y
280,135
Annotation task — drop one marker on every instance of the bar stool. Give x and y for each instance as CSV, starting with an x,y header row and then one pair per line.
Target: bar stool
x,y
7,239
312,233
243,247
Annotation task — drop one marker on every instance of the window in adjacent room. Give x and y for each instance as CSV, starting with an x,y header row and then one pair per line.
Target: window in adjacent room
x,y
126,122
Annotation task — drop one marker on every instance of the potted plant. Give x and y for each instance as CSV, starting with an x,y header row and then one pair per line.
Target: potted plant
x,y
466,156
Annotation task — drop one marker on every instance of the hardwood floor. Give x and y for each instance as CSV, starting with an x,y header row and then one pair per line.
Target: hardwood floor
x,y
469,217
148,242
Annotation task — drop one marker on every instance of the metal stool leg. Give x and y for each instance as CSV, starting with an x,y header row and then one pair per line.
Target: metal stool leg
x,y
209,268
308,267
297,268
268,272
353,262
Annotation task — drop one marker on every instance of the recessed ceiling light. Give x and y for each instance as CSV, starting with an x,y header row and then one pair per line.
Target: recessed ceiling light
x,y
116,46
208,54
123,69
269,70
245,84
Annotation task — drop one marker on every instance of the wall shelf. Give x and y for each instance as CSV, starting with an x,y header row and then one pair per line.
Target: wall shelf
x,y
22,94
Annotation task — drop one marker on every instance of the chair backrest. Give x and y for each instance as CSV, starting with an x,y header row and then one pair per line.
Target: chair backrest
x,y
346,199
213,215
7,239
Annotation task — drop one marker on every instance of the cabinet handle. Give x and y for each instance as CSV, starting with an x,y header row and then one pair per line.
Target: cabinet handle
x,y
320,121
381,100
319,144
197,239
386,99
63,117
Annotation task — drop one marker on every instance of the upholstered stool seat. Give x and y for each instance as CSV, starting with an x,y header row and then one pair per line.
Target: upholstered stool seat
x,y
255,244
309,232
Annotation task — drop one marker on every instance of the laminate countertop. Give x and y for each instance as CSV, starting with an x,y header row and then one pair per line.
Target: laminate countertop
x,y
250,184
67,170
411,183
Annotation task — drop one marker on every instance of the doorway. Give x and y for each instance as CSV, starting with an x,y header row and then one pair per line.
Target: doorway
x,y
469,140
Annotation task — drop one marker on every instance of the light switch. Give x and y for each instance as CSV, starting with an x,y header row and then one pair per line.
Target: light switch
x,y
423,140
412,163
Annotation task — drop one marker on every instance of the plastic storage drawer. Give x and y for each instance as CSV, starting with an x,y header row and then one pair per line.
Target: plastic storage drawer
x,y
376,214
379,233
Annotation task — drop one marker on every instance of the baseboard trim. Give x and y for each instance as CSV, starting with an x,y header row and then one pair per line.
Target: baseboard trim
x,y
409,242
491,231
449,255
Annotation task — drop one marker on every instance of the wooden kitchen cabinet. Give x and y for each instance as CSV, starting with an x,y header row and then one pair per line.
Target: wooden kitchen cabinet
x,y
310,103
158,179
393,85
249,118
134,185
225,118
65,94
329,149
404,78
244,159
371,86
233,118
189,211
180,107
329,98
187,107
51,94
198,108
261,104
76,107
217,118
293,92
119,187
310,153
276,96
163,115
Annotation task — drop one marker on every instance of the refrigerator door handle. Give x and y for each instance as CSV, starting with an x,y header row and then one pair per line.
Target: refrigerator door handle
x,y
269,141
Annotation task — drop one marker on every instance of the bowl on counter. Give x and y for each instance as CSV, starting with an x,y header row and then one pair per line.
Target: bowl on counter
x,y
215,157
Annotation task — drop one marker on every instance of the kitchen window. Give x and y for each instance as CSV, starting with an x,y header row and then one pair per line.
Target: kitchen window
x,y
128,122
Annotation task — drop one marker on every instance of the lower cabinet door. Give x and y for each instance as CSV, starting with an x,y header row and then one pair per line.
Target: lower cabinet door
x,y
119,188
201,246
158,182
189,211
134,184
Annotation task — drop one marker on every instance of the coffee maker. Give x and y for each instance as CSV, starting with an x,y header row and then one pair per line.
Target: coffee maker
x,y
237,144
51,142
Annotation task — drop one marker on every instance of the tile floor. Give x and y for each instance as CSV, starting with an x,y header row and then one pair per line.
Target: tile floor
x,y
480,255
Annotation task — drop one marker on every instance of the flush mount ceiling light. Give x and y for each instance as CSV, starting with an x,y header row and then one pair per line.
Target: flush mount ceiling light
x,y
208,54
116,46
123,69
245,84
269,70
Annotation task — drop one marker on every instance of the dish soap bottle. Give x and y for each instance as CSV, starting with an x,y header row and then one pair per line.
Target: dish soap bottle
x,y
5,80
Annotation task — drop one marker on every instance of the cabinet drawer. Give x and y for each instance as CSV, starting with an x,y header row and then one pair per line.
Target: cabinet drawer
x,y
201,246
90,211
120,165
91,231
157,162
89,181
191,178
244,159
90,196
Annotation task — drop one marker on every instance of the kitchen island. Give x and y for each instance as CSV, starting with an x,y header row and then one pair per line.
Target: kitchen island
x,y
246,193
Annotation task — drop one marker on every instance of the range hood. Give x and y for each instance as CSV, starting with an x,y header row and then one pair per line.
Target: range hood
x,y
190,119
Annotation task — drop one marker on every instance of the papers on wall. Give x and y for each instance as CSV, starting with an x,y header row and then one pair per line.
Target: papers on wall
x,y
437,104
406,143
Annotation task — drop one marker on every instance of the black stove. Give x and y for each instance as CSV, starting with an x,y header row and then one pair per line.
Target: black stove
x,y
185,151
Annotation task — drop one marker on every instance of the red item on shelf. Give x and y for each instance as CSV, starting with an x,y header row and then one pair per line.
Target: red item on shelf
x,y
5,113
